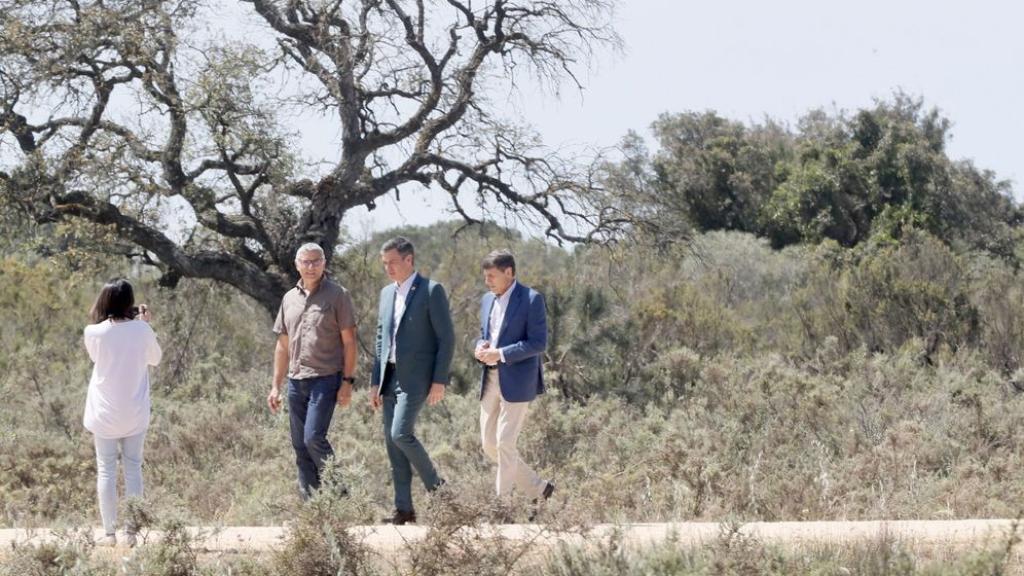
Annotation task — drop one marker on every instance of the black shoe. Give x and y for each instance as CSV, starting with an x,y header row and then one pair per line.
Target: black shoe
x,y
400,518
441,482
549,489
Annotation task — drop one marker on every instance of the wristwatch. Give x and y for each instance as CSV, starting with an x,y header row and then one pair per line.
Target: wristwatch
x,y
349,379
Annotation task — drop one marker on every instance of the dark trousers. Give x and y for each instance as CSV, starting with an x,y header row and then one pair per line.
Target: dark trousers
x,y
405,451
311,404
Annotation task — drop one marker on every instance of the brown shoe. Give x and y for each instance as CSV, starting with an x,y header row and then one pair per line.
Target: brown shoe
x,y
401,517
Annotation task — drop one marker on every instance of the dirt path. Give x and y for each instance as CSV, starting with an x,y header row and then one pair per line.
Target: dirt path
x,y
927,533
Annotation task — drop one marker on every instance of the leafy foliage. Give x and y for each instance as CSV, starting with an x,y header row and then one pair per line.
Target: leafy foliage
x,y
844,177
725,380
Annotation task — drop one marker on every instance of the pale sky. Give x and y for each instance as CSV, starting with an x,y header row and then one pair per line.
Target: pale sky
x,y
746,59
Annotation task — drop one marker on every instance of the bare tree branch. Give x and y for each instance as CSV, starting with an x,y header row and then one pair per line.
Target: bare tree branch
x,y
200,127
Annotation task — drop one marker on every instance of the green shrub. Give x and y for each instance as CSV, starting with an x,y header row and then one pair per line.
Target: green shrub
x,y
726,380
735,554
69,555
320,543
882,297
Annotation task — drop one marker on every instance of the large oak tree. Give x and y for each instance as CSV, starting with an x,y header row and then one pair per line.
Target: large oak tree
x,y
124,113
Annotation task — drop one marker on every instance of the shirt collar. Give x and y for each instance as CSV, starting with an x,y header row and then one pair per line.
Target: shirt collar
x,y
404,287
302,289
507,295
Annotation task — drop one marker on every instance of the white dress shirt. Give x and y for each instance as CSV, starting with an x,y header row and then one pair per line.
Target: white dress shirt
x,y
400,295
498,316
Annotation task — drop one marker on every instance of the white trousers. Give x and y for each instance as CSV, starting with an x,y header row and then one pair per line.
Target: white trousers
x,y
106,473
500,425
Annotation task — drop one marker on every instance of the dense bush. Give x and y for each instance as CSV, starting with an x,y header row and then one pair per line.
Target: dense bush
x,y
734,553
845,176
724,380
881,297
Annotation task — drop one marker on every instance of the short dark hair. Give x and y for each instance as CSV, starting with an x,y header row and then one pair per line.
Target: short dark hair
x,y
116,301
500,259
400,243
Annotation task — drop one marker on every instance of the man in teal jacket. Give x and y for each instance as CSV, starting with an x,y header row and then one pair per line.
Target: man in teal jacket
x,y
414,347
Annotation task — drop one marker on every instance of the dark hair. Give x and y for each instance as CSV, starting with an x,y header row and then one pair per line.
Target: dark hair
x,y
116,300
500,259
400,243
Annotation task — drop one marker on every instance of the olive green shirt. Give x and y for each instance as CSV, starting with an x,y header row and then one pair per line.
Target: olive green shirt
x,y
313,323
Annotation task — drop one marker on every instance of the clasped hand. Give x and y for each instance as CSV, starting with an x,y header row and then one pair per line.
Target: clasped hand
x,y
486,354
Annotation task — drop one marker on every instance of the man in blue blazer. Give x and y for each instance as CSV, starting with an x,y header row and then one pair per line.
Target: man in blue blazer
x,y
513,337
414,347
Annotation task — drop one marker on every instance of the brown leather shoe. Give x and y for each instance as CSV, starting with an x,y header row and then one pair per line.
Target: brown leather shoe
x,y
401,517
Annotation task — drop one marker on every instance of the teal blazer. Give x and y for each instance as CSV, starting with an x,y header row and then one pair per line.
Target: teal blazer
x,y
425,342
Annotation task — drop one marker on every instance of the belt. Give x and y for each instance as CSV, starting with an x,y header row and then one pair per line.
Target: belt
x,y
486,367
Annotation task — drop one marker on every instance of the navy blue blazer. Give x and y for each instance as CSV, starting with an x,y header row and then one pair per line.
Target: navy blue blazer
x,y
523,337
425,342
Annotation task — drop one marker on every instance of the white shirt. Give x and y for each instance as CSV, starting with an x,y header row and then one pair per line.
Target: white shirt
x,y
498,316
400,295
117,404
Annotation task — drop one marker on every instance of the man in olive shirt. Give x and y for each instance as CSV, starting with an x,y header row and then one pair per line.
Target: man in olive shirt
x,y
316,348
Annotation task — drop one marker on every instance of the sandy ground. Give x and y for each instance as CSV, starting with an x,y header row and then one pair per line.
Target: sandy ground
x,y
934,534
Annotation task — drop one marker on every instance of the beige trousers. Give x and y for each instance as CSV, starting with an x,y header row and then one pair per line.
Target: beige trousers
x,y
500,425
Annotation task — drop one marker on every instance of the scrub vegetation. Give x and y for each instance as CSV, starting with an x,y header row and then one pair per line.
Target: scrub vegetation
x,y
742,374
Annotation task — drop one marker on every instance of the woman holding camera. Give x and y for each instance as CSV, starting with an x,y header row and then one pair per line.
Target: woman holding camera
x,y
122,347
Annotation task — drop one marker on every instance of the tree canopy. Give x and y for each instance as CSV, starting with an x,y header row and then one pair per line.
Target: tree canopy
x,y
845,177
118,112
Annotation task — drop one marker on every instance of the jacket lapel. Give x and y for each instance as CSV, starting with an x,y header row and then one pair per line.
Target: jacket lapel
x,y
412,291
513,307
386,323
389,307
489,301
408,298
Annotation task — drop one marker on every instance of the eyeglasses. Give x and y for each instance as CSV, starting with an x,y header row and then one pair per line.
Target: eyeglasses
x,y
309,263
